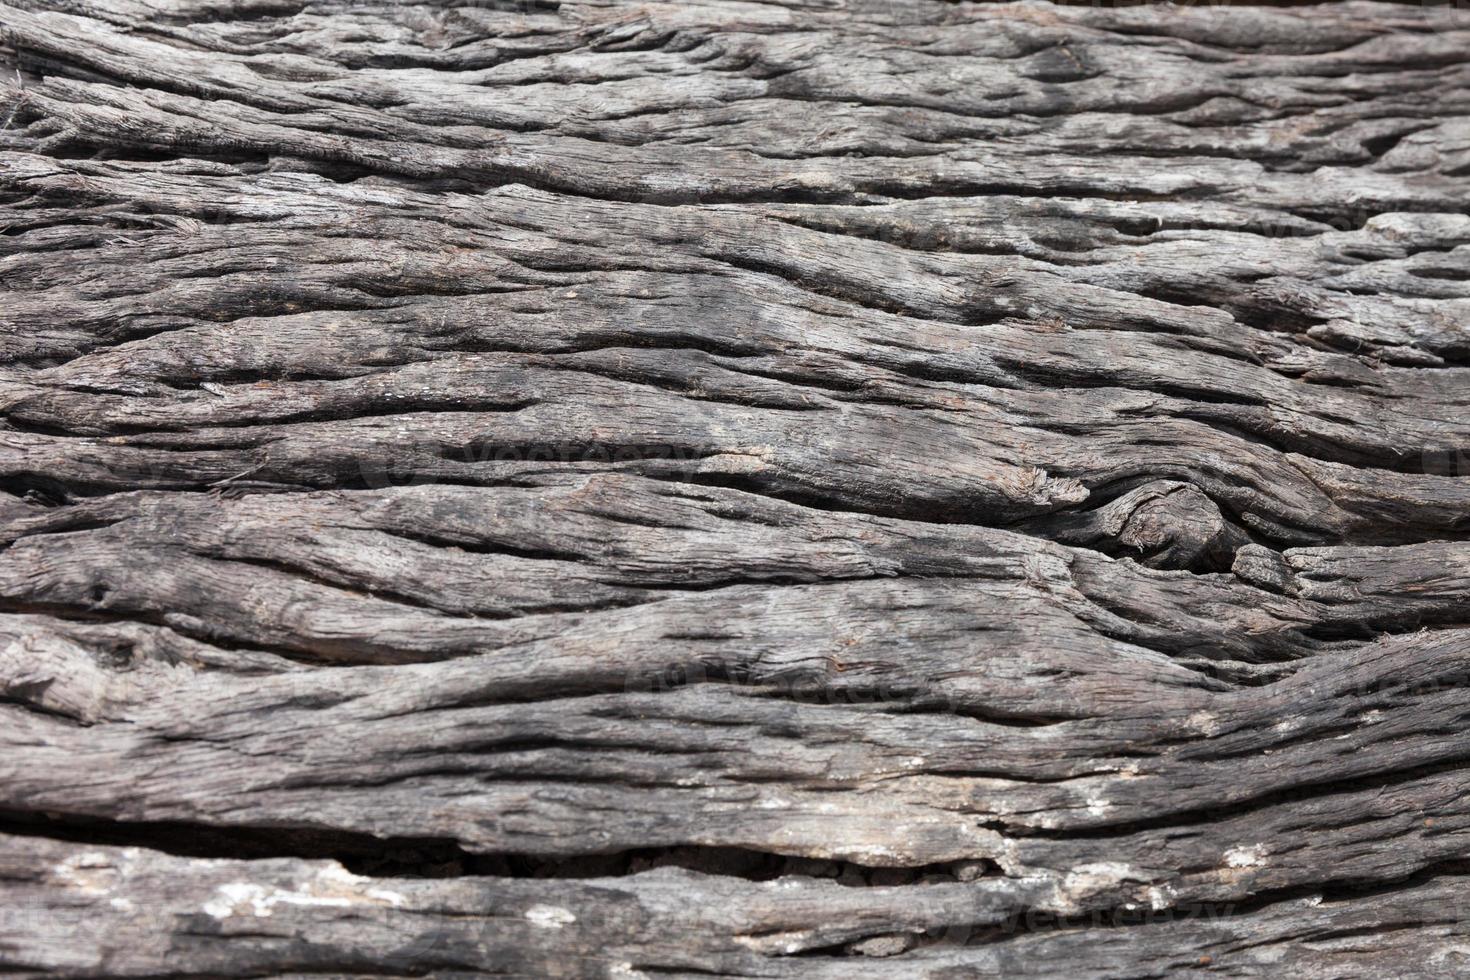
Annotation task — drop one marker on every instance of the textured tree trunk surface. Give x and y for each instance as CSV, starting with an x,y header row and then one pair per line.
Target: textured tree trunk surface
x,y
781,489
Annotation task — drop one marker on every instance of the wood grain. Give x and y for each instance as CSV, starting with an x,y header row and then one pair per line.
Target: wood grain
x,y
768,489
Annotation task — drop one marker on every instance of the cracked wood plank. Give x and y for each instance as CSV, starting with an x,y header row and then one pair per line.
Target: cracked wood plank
x,y
752,489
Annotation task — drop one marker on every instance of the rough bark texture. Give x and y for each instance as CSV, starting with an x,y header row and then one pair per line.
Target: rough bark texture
x,y
766,489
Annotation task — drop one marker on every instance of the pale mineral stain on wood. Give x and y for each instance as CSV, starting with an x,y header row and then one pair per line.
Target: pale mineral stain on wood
x,y
738,489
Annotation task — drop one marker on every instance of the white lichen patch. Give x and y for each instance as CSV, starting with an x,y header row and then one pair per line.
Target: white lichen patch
x,y
782,942
1245,857
235,898
1204,722
1161,897
90,872
332,887
549,916
336,874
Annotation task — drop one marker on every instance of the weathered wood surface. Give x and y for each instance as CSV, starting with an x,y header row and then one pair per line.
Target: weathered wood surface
x,y
762,489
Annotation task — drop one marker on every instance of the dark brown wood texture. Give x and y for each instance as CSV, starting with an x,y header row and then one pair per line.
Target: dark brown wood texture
x,y
771,489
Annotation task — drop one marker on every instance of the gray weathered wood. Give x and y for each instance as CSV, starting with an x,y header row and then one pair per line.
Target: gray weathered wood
x,y
760,489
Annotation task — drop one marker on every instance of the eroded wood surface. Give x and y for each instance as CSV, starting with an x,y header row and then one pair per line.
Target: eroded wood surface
x,y
763,489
